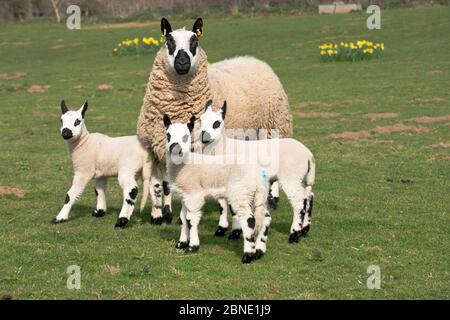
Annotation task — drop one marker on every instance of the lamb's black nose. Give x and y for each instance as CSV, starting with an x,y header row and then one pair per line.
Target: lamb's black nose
x,y
206,137
67,133
175,148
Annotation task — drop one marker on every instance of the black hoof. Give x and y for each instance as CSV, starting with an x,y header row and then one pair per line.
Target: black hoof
x,y
121,223
182,245
235,234
179,221
220,232
247,258
294,237
258,254
273,201
157,221
55,221
192,249
167,215
98,213
304,231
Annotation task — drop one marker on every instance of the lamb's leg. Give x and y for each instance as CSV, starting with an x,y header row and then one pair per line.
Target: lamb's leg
x,y
295,192
130,192
262,236
223,220
156,195
167,209
100,192
193,216
274,195
78,185
236,230
184,235
307,219
247,221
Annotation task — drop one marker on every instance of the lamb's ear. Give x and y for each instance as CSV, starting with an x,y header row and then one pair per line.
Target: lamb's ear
x,y
224,109
208,105
191,123
84,108
166,28
64,108
197,28
167,121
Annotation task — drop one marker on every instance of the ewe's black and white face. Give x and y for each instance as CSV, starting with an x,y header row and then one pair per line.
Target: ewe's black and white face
x,y
212,123
178,142
72,121
182,46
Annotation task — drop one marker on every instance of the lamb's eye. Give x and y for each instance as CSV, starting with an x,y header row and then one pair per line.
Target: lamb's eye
x,y
168,137
77,122
185,138
216,124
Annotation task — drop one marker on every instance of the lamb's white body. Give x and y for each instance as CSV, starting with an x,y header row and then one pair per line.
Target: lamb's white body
x,y
286,161
196,177
97,156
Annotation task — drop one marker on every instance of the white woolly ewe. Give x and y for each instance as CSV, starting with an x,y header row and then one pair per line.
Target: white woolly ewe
x,y
97,156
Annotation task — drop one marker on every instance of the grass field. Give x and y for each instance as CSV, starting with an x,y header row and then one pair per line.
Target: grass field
x,y
382,196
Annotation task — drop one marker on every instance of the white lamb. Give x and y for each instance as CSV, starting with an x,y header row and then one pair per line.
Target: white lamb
x,y
196,177
97,156
286,160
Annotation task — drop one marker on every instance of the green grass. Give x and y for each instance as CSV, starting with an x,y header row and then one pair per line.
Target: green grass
x,y
360,218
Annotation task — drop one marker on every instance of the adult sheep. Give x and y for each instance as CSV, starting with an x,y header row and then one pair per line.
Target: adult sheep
x,y
181,82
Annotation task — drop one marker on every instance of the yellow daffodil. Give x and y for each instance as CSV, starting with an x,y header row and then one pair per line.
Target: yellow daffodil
x,y
322,52
330,52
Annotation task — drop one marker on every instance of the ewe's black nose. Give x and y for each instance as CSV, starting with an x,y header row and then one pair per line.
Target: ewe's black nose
x,y
67,133
182,62
206,137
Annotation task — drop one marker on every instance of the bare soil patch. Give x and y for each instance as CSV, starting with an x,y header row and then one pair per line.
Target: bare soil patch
x,y
351,135
11,190
316,114
38,89
399,128
419,101
441,145
376,116
430,119
434,72
104,87
12,75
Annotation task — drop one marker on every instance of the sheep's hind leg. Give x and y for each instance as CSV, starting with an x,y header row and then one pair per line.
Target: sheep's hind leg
x,y
295,192
274,195
261,239
236,230
130,192
223,220
78,185
247,221
156,195
307,219
100,193
167,209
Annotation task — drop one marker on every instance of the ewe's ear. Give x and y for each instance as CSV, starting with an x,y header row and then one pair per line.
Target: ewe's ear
x,y
166,28
191,123
224,109
208,105
167,121
197,28
64,108
84,108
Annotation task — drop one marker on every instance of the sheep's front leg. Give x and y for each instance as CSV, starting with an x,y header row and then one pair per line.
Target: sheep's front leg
x,y
193,216
78,185
236,230
100,192
261,239
130,192
274,195
156,195
167,209
247,221
184,235
223,219
297,221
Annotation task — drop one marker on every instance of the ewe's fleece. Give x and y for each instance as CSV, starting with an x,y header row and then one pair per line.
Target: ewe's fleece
x,y
254,94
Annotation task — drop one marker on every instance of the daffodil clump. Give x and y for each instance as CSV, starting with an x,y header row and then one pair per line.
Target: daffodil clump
x,y
138,46
350,51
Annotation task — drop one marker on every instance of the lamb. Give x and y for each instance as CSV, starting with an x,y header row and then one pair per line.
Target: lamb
x,y
286,160
196,176
97,156
181,81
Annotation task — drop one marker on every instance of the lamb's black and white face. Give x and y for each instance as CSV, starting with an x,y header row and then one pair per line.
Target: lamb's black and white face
x,y
182,46
178,142
72,121
212,123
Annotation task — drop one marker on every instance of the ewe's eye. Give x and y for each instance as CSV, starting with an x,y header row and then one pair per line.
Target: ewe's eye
x,y
216,124
170,44
77,122
193,45
168,137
